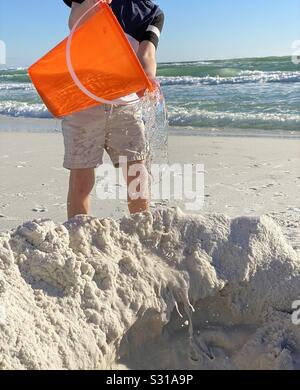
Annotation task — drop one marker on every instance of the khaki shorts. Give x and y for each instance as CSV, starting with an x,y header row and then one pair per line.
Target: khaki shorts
x,y
118,130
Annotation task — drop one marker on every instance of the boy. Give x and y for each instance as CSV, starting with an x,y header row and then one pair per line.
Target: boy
x,y
118,130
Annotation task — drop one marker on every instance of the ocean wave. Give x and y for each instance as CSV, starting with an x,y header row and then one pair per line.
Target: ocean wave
x,y
16,87
199,76
12,68
15,78
183,64
243,78
14,75
181,116
20,109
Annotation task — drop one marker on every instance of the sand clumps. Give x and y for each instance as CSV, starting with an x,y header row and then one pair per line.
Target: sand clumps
x,y
162,290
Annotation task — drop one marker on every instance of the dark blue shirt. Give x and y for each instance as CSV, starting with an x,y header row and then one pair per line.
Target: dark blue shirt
x,y
141,19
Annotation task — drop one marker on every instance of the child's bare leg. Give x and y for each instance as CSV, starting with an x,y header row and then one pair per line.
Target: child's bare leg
x,y
137,182
81,184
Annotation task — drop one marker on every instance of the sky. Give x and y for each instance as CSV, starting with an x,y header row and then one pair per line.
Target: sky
x,y
194,29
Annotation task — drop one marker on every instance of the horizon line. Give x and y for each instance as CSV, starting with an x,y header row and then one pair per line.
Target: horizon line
x,y
4,67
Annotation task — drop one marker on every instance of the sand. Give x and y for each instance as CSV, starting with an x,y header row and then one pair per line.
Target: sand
x,y
249,176
162,290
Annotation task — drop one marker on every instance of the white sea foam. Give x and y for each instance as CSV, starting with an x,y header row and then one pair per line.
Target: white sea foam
x,y
243,78
185,116
16,87
181,116
17,109
12,68
183,64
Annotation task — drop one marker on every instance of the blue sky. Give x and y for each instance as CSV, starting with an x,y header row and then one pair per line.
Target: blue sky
x,y
194,29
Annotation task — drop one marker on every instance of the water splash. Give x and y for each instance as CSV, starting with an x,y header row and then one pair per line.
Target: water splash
x,y
154,110
155,117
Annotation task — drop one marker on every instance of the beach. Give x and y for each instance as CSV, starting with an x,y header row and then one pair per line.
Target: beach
x,y
159,290
215,288
211,287
250,176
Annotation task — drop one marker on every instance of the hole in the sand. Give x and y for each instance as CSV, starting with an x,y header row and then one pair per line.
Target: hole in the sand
x,y
172,346
163,346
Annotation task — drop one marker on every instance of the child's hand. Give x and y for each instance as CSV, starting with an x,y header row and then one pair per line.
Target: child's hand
x,y
155,83
156,88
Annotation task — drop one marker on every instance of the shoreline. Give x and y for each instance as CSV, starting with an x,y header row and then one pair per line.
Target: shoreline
x,y
48,125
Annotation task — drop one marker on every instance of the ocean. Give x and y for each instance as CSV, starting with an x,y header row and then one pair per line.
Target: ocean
x,y
252,93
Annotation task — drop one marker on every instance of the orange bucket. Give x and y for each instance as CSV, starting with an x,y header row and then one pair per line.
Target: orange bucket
x,y
94,65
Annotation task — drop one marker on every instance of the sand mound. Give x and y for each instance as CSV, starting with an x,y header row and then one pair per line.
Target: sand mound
x,y
96,293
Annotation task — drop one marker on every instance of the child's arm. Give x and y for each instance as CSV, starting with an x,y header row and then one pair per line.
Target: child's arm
x,y
147,49
75,14
147,57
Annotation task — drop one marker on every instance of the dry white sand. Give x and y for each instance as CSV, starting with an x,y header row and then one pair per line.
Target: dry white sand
x,y
156,291
244,176
97,293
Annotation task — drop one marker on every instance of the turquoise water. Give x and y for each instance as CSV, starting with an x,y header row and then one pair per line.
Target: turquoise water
x,y
256,93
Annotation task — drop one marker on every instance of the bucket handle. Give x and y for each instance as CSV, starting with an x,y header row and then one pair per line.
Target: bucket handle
x,y
76,80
